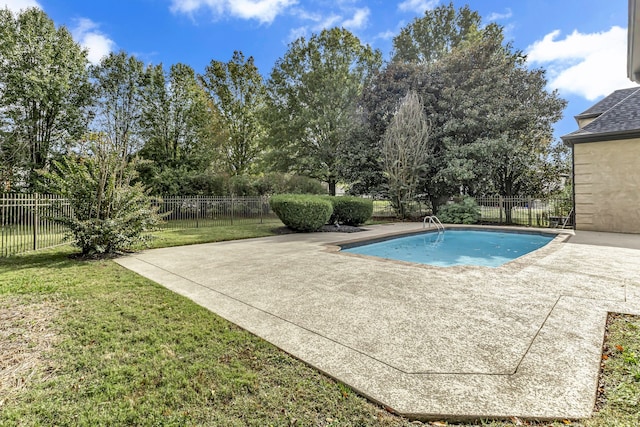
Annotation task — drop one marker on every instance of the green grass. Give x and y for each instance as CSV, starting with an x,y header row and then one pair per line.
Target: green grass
x,y
621,379
133,353
130,352
190,236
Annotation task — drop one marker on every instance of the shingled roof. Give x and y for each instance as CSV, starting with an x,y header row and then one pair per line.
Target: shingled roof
x,y
616,117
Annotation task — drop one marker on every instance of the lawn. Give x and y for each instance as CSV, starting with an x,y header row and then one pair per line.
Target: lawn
x,y
91,343
189,236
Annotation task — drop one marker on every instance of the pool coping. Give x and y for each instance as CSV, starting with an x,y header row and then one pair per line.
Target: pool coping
x,y
561,236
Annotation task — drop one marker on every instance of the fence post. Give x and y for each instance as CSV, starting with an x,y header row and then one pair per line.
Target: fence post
x,y
4,207
232,207
197,211
261,208
35,221
529,206
500,203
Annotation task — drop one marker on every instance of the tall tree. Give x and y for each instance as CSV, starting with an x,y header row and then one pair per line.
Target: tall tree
x,y
119,81
405,150
433,35
498,130
362,164
44,91
179,127
481,100
314,91
237,90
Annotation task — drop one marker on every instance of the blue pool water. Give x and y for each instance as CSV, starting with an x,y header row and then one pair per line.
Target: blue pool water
x,y
455,247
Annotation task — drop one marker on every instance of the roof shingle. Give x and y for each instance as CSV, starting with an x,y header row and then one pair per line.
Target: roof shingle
x,y
617,114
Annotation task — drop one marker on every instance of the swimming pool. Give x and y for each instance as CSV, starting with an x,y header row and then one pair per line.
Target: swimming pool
x,y
455,247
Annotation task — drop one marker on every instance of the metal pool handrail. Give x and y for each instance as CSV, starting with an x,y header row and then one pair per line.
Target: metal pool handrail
x,y
432,219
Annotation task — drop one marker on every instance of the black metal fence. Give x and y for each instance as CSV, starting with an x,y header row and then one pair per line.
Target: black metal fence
x,y
528,211
26,219
26,225
211,211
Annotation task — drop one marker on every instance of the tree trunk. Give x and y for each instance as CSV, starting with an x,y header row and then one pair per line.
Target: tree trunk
x,y
332,187
436,202
508,210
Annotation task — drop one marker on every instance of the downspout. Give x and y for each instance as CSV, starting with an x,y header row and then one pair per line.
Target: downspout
x,y
573,183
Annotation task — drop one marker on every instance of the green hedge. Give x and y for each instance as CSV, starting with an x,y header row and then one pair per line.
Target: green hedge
x,y
302,212
465,211
350,210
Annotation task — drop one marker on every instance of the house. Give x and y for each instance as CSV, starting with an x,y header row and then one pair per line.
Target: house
x,y
606,164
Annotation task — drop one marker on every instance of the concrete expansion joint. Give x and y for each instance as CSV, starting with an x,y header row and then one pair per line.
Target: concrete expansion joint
x,y
536,350
274,316
364,354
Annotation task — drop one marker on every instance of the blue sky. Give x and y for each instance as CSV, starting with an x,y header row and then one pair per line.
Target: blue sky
x,y
581,43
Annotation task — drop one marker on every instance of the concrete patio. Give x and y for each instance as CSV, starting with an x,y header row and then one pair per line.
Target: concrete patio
x,y
426,342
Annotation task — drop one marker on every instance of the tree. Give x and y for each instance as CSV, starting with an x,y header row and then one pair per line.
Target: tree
x,y
360,159
237,90
405,149
44,92
119,81
179,127
500,120
439,31
484,104
313,95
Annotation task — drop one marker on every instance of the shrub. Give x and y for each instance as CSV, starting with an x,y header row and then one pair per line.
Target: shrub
x,y
301,212
106,213
279,183
464,212
304,185
242,185
350,210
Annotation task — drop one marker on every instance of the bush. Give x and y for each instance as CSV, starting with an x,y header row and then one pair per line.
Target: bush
x,y
279,183
350,210
106,214
243,186
301,212
298,184
464,212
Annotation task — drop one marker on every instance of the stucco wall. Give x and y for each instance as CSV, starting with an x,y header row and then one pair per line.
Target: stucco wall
x,y
607,186
583,122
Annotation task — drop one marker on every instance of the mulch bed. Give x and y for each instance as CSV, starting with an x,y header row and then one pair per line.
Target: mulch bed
x,y
324,229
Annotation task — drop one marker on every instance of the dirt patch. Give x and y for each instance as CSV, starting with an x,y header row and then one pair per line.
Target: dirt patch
x,y
26,335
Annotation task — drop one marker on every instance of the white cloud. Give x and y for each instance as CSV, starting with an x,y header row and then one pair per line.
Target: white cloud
x,y
97,44
359,20
496,16
18,5
327,22
330,18
589,65
264,11
296,33
417,6
386,35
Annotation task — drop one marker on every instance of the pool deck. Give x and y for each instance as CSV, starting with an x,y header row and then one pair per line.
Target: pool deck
x,y
426,342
